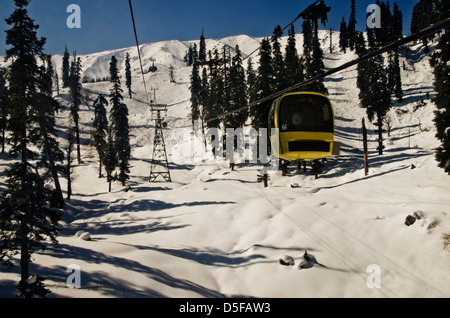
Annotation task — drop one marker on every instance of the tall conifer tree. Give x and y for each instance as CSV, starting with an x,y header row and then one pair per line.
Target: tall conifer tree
x,y
343,37
128,74
3,107
202,48
100,129
238,92
278,60
351,28
66,68
27,219
119,123
264,85
75,92
293,63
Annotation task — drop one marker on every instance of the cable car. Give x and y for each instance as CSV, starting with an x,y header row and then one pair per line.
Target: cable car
x,y
305,123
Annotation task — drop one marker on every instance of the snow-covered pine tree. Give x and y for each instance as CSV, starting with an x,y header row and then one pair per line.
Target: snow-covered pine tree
x,y
293,63
75,93
343,37
110,161
3,107
100,129
196,88
216,95
128,74
394,76
69,149
238,92
279,69
420,19
351,28
316,67
251,81
202,48
397,23
66,68
374,93
27,219
264,86
308,35
119,124
44,134
442,77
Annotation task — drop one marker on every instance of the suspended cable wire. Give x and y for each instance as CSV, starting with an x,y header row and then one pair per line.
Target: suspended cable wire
x,y
139,51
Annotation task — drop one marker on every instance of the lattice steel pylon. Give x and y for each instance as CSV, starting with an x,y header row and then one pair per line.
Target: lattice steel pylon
x,y
159,164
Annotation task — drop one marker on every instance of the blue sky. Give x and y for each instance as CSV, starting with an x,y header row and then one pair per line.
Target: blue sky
x,y
106,24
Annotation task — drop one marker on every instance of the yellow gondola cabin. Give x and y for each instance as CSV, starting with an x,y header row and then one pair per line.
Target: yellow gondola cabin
x,y
305,123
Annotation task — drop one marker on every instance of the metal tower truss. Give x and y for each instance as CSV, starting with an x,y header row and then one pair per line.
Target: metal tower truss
x,y
159,164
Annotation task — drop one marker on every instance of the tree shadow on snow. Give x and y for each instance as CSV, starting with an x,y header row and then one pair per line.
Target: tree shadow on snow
x,y
110,285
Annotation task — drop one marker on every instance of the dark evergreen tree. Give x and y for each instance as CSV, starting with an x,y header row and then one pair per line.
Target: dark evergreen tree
x,y
374,93
238,92
394,75
384,35
194,54
71,142
264,86
202,49
44,134
216,104
251,81
308,37
100,129
128,74
316,67
27,218
196,88
343,37
119,124
66,69
423,11
75,93
278,61
3,107
441,79
189,56
110,161
351,28
293,63
397,23
363,67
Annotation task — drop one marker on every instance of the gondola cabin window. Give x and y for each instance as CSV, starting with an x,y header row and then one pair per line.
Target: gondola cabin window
x,y
310,113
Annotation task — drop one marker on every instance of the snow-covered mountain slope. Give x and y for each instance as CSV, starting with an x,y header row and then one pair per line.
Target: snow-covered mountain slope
x,y
213,232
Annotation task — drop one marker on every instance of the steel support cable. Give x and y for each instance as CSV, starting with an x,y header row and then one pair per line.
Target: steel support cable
x,y
425,32
139,51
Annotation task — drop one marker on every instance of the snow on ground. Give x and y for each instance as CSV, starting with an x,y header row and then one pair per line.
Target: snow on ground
x,y
214,232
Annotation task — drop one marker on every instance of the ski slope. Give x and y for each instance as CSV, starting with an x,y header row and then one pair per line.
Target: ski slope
x,y
214,233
